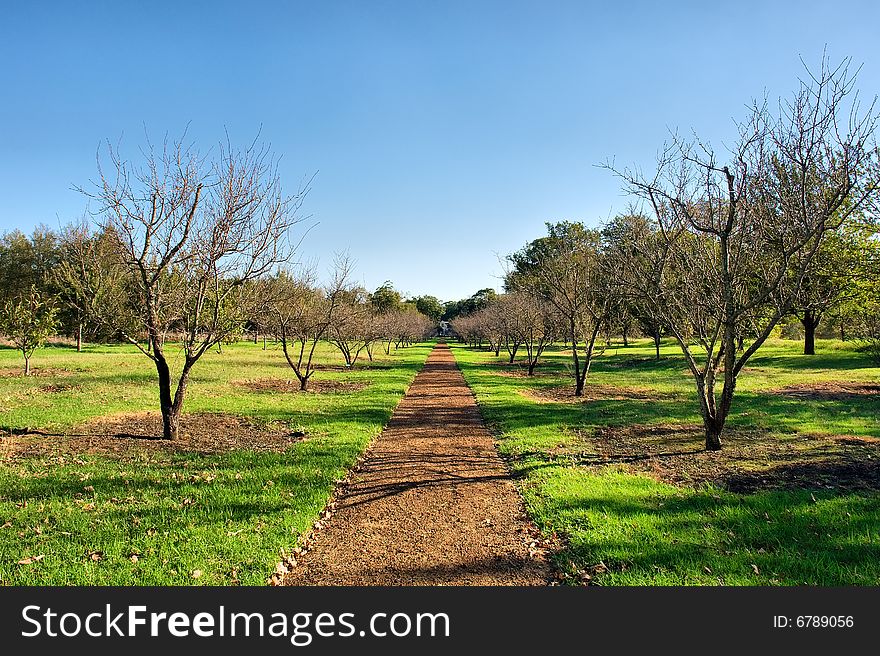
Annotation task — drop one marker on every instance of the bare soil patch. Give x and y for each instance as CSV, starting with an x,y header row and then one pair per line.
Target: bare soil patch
x,y
751,459
57,388
592,392
137,433
358,366
829,391
523,372
432,503
36,372
292,385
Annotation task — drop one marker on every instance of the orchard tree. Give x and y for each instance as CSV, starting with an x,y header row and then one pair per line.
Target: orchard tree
x,y
535,323
297,313
631,243
28,322
569,269
352,326
733,241
192,233
92,278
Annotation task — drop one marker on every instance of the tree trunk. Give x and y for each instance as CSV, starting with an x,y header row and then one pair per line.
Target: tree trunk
x,y
713,436
170,418
256,335
79,337
532,364
713,423
625,336
657,343
809,322
27,366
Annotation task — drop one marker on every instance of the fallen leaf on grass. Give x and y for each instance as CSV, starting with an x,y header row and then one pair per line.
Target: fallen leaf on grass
x,y
96,555
755,569
30,560
6,525
197,573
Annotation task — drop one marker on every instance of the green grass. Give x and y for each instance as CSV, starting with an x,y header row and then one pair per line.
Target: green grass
x,y
623,525
226,515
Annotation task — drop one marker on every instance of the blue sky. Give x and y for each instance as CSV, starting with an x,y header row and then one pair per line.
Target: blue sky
x,y
443,134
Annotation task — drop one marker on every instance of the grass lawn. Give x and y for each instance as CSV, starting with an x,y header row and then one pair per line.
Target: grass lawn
x,y
622,479
141,513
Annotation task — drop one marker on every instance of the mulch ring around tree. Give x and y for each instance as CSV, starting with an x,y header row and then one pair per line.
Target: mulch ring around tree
x,y
751,459
592,392
292,385
830,391
133,434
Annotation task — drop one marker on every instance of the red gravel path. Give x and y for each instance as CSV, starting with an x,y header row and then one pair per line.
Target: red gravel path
x,y
432,503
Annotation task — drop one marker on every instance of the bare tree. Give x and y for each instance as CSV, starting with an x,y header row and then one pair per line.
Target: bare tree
x,y
299,314
536,324
351,329
569,270
192,233
635,252
733,241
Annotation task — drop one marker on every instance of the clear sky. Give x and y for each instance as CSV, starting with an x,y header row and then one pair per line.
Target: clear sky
x,y
444,134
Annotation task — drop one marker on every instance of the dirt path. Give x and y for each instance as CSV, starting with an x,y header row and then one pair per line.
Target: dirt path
x,y
432,504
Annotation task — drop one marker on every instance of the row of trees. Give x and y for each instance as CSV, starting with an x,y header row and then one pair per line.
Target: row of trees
x,y
194,250
300,314
716,253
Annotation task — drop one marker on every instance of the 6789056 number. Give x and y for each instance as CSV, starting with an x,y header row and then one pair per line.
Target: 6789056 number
x,y
824,621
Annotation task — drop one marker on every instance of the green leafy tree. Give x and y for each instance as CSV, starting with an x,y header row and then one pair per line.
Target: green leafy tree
x,y
430,307
28,322
835,275
386,298
26,262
